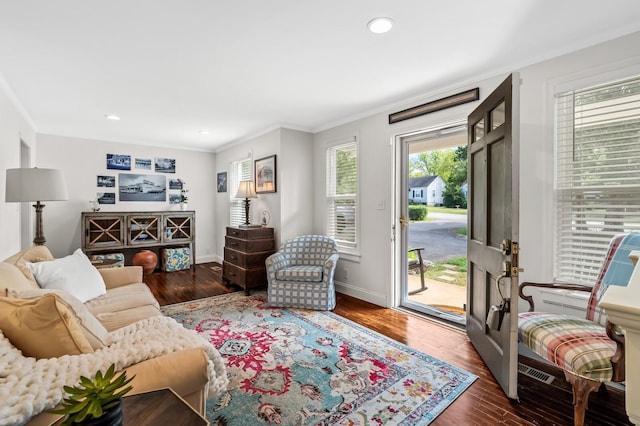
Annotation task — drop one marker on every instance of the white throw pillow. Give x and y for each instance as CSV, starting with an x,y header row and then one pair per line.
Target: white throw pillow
x,y
74,274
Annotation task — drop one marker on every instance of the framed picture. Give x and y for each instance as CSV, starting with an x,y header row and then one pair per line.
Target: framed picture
x,y
175,184
106,181
165,165
222,182
143,163
133,187
106,197
265,174
118,162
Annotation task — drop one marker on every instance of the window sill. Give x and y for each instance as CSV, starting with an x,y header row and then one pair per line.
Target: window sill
x,y
351,256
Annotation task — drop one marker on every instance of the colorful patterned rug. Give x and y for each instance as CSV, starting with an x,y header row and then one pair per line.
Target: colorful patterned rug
x,y
297,367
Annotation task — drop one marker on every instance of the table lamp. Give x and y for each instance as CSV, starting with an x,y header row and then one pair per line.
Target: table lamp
x,y
246,190
35,185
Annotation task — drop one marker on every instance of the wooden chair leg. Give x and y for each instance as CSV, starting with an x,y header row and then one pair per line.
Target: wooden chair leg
x,y
582,388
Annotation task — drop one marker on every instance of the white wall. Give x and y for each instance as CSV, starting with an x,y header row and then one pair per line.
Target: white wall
x,y
295,184
291,206
14,125
595,65
370,275
83,159
258,147
371,278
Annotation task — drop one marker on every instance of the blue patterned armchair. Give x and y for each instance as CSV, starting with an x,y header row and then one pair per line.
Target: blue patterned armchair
x,y
300,274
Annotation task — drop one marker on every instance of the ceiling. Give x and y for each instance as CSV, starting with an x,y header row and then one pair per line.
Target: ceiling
x,y
171,68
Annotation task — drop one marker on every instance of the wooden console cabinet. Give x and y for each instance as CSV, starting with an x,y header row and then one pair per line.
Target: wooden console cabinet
x,y
127,232
245,251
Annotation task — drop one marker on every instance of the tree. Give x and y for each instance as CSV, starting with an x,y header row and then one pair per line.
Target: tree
x,y
450,165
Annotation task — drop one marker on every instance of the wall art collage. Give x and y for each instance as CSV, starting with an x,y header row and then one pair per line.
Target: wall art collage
x,y
147,183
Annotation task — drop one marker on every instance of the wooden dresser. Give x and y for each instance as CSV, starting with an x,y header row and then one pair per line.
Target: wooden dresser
x,y
245,250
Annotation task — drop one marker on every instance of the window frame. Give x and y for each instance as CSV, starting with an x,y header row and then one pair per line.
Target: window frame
x,y
350,250
579,252
238,172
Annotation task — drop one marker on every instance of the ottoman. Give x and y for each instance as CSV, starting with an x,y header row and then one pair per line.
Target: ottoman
x,y
176,259
110,260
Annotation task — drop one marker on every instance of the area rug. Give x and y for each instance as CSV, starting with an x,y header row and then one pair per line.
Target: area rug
x,y
298,367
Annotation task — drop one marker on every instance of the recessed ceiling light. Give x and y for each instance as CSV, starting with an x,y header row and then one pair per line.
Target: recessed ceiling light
x,y
380,25
204,132
112,117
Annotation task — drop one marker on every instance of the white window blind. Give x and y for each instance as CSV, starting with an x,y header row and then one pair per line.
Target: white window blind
x,y
239,170
597,175
342,193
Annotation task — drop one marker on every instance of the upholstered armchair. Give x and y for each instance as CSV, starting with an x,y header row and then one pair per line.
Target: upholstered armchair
x,y
589,350
300,274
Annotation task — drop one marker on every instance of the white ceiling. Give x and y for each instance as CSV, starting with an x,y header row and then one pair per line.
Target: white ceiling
x,y
170,68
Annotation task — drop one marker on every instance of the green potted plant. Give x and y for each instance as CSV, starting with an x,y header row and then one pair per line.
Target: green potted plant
x,y
96,401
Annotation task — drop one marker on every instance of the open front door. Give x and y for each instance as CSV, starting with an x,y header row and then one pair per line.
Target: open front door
x,y
492,247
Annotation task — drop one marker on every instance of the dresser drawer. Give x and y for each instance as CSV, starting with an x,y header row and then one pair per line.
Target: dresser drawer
x,y
249,246
250,233
247,278
246,260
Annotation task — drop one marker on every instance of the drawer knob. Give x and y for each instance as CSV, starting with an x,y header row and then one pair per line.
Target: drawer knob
x,y
232,273
232,257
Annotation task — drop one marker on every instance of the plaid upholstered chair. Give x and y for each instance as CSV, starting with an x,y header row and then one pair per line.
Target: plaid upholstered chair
x,y
300,274
590,350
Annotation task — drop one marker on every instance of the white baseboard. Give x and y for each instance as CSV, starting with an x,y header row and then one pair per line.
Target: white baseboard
x,y
359,293
206,259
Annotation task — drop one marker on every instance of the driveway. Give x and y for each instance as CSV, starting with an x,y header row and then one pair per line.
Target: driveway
x,y
438,237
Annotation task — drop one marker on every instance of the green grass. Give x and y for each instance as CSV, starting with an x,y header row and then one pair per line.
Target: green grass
x,y
461,231
460,271
446,210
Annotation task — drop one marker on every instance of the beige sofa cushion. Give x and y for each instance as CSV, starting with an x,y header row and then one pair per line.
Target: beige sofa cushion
x,y
12,278
124,305
32,254
42,327
97,336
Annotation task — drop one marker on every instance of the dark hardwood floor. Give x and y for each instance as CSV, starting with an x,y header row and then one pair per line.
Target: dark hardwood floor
x,y
482,404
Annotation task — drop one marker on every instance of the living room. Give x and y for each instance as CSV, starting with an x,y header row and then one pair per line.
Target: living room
x,y
298,205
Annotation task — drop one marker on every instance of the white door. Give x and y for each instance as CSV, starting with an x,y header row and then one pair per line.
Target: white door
x,y
492,245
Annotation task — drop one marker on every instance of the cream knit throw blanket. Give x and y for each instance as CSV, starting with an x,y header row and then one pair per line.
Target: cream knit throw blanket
x,y
29,386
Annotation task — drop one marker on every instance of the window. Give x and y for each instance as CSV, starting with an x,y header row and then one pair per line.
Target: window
x,y
342,193
597,184
239,170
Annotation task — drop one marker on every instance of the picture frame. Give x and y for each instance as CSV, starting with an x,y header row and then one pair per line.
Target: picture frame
x,y
265,175
118,162
143,163
165,165
136,187
222,182
106,181
175,184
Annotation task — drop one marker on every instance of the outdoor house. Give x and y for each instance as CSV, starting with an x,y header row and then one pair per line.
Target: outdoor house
x,y
426,190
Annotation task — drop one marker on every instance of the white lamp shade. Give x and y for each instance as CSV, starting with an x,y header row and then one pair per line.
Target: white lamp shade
x,y
246,189
35,185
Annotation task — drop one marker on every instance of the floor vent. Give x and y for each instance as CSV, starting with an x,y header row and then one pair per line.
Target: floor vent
x,y
535,374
